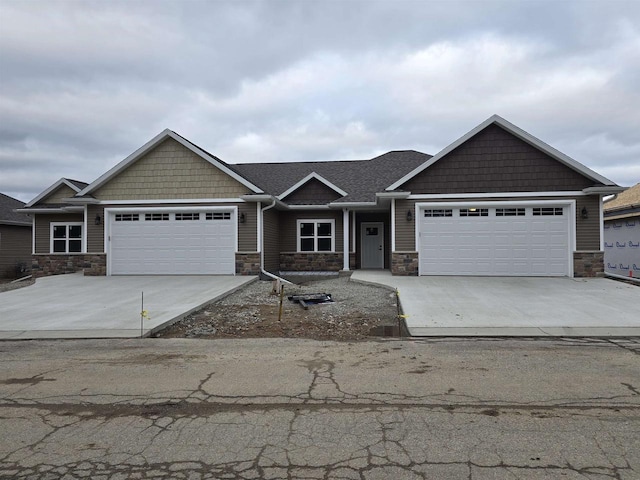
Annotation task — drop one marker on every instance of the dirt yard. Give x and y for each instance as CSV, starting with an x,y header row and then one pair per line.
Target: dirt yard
x,y
354,314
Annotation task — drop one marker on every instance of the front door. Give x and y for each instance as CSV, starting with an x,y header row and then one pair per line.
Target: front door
x,y
372,245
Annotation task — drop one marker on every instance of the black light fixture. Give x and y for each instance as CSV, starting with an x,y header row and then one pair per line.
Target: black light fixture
x,y
98,220
584,213
242,217
409,216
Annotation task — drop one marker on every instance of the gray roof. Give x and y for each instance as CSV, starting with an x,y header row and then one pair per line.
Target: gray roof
x,y
7,215
361,179
77,183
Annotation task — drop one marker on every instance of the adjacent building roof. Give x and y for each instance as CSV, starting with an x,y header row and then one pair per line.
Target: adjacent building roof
x,y
8,216
624,204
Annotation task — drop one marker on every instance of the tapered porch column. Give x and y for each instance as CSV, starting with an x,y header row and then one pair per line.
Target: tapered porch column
x,y
345,239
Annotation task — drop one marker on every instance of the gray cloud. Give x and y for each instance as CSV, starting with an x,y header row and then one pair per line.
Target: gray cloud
x,y
84,84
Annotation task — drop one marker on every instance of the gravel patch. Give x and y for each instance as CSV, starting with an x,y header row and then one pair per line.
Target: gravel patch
x,y
253,312
6,285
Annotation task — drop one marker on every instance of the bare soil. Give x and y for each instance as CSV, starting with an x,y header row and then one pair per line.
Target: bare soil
x,y
253,311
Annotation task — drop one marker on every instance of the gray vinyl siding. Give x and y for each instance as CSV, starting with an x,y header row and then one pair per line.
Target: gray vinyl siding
x,y
43,228
587,231
272,240
288,227
405,231
15,247
95,233
247,231
496,161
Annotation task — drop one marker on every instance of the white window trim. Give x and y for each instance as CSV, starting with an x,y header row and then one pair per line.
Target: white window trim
x,y
52,225
316,221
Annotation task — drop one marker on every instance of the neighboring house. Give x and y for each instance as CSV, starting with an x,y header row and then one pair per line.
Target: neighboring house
x,y
497,201
15,238
622,234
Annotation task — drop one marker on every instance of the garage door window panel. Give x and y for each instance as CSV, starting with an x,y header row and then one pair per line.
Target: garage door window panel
x,y
316,235
66,237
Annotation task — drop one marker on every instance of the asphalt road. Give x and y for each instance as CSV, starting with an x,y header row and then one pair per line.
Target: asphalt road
x,y
273,409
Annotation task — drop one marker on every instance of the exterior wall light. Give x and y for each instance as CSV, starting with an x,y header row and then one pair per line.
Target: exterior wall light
x,y
98,220
409,216
242,217
584,213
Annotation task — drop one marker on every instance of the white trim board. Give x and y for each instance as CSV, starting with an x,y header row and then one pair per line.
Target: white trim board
x,y
104,178
311,176
516,131
435,196
177,201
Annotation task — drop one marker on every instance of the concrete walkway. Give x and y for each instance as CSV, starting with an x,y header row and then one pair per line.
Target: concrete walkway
x,y
513,306
75,306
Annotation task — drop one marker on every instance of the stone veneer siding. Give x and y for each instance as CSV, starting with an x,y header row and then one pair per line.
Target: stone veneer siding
x,y
93,264
404,263
248,263
588,264
311,262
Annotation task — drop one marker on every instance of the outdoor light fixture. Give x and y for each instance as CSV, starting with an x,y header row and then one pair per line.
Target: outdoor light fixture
x,y
584,213
409,216
98,220
242,217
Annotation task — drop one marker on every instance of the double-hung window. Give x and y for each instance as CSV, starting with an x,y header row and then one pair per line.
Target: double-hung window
x,y
66,237
316,235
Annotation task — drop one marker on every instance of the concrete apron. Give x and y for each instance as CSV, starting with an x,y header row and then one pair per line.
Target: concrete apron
x,y
513,306
75,306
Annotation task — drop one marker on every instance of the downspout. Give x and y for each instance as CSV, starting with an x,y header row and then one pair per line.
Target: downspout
x,y
262,270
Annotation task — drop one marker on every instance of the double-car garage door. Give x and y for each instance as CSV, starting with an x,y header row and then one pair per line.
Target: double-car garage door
x,y
494,239
160,242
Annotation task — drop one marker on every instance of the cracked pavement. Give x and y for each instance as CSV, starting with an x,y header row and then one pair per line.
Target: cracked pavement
x,y
284,409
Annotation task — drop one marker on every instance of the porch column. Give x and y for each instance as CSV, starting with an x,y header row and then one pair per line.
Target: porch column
x,y
345,239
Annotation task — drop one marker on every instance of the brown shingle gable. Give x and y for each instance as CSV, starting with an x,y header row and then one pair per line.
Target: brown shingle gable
x,y
495,160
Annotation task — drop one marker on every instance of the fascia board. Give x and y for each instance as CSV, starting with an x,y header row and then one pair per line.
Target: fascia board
x,y
105,177
603,190
518,132
51,189
312,175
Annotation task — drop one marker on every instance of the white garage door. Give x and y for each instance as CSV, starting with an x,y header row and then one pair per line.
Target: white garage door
x,y
506,240
172,243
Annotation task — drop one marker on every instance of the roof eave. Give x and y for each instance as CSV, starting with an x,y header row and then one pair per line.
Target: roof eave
x,y
15,223
606,190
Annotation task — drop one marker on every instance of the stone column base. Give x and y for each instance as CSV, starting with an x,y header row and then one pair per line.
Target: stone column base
x,y
404,263
588,264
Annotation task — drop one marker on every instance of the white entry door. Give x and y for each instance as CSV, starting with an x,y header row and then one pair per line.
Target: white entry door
x,y
495,239
372,245
160,242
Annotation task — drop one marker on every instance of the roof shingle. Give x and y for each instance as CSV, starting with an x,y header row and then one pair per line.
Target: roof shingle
x,y
7,215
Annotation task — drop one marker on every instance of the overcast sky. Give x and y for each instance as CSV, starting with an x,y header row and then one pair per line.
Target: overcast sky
x,y
83,84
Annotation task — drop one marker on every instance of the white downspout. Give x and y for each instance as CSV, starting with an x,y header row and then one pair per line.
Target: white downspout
x,y
345,240
261,244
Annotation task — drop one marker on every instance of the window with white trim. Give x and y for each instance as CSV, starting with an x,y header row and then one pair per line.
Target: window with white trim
x,y
316,235
188,216
547,211
66,237
127,217
438,213
474,212
510,212
156,217
218,216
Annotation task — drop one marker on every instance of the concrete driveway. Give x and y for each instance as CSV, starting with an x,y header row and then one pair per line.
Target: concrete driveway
x,y
75,306
514,306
